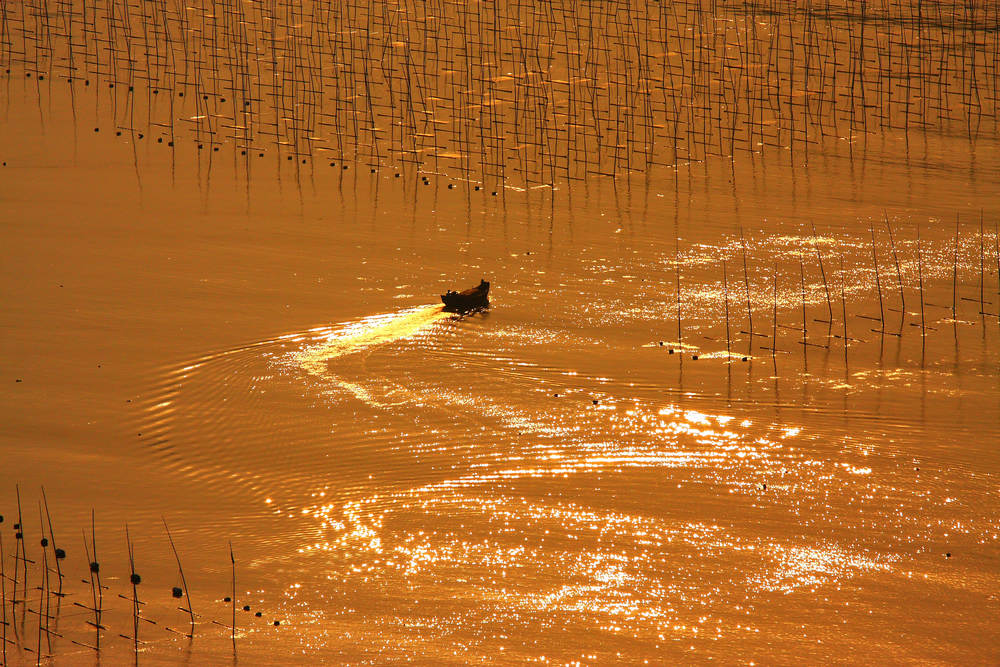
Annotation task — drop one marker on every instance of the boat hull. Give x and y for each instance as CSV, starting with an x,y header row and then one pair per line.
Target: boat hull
x,y
476,298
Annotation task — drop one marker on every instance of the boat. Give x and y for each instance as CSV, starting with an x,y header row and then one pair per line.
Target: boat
x,y
468,300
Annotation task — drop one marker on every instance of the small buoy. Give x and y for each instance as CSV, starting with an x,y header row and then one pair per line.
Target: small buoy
x,y
18,535
17,526
277,623
227,599
303,160
135,579
258,614
289,158
661,343
60,554
243,152
556,395
140,135
180,94
671,350
130,89
595,401
45,542
345,166
177,591
118,133
494,193
744,359
246,607
95,567
159,140
948,555
397,175
694,357
97,129
373,171
260,155
477,188
1,518
200,146
170,143
451,185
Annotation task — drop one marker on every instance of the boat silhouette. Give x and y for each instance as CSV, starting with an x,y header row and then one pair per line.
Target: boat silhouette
x,y
474,298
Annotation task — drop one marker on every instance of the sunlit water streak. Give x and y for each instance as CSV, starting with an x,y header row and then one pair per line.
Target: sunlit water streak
x,y
429,452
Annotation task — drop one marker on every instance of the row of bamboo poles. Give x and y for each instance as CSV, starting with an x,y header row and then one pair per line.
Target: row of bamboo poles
x,y
521,91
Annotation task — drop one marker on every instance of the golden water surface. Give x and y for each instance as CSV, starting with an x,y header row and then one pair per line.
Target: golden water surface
x,y
744,409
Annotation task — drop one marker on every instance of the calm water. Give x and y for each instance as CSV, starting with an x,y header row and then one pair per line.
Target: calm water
x,y
263,361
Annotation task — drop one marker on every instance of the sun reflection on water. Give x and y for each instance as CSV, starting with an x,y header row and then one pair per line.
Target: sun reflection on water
x,y
501,533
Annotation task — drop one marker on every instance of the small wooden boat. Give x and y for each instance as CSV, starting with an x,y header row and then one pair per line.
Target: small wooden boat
x,y
468,300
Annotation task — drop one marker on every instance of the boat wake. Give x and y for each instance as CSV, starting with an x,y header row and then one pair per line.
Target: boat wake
x,y
362,336
365,334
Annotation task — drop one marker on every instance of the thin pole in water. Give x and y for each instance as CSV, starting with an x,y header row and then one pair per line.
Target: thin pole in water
x,y
802,288
878,279
822,270
954,275
920,283
843,305
899,273
746,283
180,569
232,560
725,288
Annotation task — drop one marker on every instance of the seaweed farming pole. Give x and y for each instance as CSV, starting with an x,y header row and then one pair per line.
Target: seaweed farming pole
x,y
774,310
725,291
954,274
746,284
878,279
96,591
134,579
232,560
802,290
899,273
822,270
982,268
180,569
43,593
3,603
59,554
20,558
920,284
843,304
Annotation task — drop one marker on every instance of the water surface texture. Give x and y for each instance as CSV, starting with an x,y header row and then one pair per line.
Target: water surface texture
x,y
736,398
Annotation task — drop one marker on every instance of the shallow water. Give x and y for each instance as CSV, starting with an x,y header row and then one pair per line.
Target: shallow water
x,y
264,363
